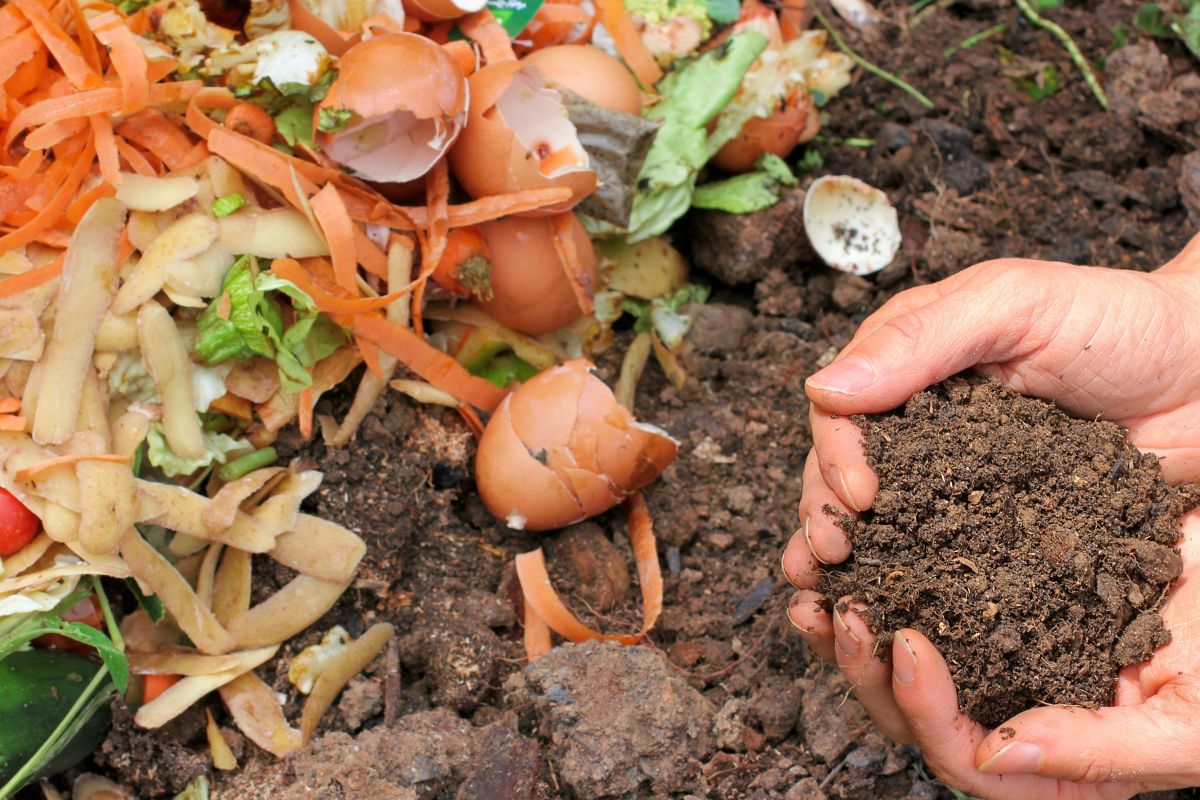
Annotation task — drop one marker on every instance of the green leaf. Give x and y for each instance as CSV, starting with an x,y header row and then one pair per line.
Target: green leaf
x,y
227,204
240,334
1044,84
220,448
294,124
745,194
150,603
196,790
114,659
724,12
1048,5
1187,28
331,120
1150,20
811,161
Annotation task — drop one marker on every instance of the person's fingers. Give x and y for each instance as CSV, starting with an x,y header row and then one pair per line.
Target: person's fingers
x,y
808,615
988,316
1171,438
822,513
798,563
838,444
1152,743
949,739
869,676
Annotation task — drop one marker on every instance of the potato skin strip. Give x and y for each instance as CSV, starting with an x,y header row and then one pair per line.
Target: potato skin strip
x,y
357,656
222,755
167,359
256,711
231,586
320,549
177,699
182,661
107,504
220,514
541,598
26,474
281,616
178,509
165,581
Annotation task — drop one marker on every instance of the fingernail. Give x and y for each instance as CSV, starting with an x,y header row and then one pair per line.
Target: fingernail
x,y
793,603
850,375
844,637
793,542
904,662
1017,757
837,477
808,540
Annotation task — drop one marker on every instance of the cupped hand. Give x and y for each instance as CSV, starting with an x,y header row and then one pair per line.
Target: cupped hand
x,y
1114,344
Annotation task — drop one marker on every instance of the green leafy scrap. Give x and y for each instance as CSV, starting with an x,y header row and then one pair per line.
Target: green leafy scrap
x,y
225,205
723,12
291,104
745,194
331,120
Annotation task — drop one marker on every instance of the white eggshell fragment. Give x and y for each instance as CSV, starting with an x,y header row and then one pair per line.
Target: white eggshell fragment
x,y
852,226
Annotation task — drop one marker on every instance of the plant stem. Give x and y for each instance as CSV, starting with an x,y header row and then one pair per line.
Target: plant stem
x,y
896,81
110,622
44,753
971,41
1069,45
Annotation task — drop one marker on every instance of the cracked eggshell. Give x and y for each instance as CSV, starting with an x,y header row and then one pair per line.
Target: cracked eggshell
x,y
408,100
442,10
518,137
851,225
590,73
560,449
531,292
797,121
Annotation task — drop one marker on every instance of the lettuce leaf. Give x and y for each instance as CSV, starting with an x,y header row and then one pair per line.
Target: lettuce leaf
x,y
693,94
246,320
753,191
221,448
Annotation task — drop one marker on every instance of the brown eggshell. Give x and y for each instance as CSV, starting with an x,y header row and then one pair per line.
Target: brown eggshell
x,y
441,10
565,423
530,289
489,159
796,122
591,73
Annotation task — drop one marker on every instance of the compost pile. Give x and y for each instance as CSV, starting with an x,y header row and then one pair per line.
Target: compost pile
x,y
1032,548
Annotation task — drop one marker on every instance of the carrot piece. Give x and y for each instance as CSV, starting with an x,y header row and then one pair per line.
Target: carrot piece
x,y
53,210
645,556
208,99
464,55
373,259
485,30
427,361
64,49
127,59
475,212
472,419
568,256
462,245
11,21
155,133
629,42
81,204
106,149
326,300
54,133
28,74
26,474
259,162
105,100
335,223
16,52
154,685
8,422
10,405
87,41
304,407
133,157
537,635
251,120
437,200
370,354
559,23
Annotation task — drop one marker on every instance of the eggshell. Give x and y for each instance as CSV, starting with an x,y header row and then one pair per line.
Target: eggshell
x,y
490,158
530,289
560,449
591,73
779,133
441,10
409,100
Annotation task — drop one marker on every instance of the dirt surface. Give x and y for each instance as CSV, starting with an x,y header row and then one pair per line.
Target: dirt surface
x,y
991,172
1032,548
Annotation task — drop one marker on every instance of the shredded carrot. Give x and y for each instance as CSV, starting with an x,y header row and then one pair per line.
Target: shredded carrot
x,y
558,23
335,223
485,30
155,133
370,354
208,99
134,158
64,49
251,120
10,405
54,133
105,100
545,602
563,226
463,54
437,194
127,59
28,74
15,52
462,244
8,422
87,41
304,407
154,685
259,162
26,474
106,149
426,360
326,300
54,209
629,42
81,204
537,635
472,419
485,209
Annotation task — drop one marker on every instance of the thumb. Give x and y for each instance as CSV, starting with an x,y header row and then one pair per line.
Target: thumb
x,y
1144,744
981,320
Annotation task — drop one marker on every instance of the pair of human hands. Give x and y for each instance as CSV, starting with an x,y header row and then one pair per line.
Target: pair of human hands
x,y
1115,344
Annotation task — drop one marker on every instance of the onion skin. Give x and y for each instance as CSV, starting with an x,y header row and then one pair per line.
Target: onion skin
x,y
561,449
779,133
590,73
530,289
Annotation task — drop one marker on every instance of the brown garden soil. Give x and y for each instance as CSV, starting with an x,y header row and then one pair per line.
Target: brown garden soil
x,y
1032,548
723,701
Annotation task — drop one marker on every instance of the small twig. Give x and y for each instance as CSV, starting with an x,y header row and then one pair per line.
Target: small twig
x,y
878,71
971,41
1069,45
391,685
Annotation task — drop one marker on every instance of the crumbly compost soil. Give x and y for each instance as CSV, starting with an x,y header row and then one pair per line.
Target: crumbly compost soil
x,y
739,709
1032,548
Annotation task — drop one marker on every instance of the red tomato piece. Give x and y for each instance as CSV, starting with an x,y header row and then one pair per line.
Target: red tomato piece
x,y
18,525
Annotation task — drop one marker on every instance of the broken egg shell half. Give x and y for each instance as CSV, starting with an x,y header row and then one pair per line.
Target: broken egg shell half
x,y
442,10
531,292
851,225
408,100
560,449
590,73
797,121
518,137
